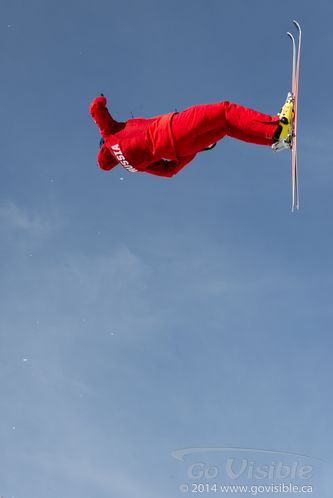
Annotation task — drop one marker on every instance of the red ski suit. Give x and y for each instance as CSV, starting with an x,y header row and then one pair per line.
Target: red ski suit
x,y
164,144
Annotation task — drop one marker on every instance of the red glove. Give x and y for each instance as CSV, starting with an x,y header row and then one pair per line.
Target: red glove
x,y
98,101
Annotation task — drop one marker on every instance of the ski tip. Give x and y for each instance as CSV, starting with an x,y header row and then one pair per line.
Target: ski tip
x,y
297,24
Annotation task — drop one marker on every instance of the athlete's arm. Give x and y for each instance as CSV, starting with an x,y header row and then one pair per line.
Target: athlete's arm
x,y
100,114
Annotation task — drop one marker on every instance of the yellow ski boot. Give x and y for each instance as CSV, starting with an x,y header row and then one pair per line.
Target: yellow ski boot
x,y
283,135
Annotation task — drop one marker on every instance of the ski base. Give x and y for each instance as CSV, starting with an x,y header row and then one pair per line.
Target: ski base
x,y
296,54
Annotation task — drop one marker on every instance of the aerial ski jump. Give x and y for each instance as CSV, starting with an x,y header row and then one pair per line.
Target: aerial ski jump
x,y
163,145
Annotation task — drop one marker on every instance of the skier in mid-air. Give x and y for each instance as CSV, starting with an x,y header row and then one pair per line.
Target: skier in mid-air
x,y
164,144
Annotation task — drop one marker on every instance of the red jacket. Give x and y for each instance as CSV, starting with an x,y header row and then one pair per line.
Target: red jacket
x,y
138,144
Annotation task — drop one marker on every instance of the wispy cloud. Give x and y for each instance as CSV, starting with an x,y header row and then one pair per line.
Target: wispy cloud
x,y
12,216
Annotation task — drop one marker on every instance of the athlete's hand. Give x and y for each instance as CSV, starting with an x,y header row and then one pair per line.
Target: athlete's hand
x,y
98,101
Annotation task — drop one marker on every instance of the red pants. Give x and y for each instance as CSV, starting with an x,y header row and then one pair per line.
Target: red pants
x,y
201,125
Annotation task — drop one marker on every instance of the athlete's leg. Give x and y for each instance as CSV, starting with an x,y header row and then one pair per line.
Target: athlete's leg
x,y
253,139
198,126
202,141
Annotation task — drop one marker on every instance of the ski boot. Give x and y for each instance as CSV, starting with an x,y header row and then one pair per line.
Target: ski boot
x,y
284,134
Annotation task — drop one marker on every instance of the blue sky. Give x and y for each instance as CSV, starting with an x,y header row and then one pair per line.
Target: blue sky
x,y
142,315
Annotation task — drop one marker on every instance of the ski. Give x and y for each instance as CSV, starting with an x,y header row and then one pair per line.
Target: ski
x,y
296,55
